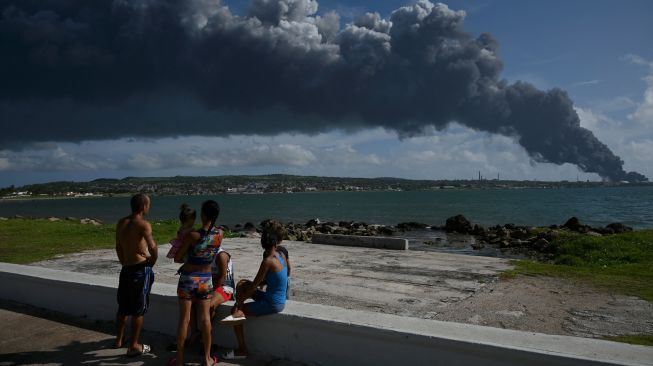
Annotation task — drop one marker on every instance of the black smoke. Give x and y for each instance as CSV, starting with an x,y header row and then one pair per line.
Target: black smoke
x,y
75,70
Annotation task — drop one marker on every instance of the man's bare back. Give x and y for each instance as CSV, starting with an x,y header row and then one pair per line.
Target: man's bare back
x,y
134,242
134,235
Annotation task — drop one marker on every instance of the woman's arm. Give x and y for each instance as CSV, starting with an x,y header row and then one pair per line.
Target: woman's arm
x,y
260,276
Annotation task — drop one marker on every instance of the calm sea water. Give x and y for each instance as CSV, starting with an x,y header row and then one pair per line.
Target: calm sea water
x,y
632,206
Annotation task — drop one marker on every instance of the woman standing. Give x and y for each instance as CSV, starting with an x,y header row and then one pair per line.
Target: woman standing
x,y
195,280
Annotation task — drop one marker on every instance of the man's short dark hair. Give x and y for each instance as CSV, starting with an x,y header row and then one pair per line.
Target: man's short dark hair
x,y
138,202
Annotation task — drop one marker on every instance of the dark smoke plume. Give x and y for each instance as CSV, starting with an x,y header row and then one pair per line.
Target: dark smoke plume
x,y
76,70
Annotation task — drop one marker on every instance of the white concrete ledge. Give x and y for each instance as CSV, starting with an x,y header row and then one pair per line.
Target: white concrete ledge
x,y
378,242
325,335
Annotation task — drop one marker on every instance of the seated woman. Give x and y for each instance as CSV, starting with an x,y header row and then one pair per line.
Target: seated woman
x,y
274,271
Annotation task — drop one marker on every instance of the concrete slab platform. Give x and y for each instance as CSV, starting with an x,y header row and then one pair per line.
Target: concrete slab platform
x,y
408,283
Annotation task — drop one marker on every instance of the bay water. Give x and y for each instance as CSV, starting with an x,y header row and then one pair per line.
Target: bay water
x,y
597,206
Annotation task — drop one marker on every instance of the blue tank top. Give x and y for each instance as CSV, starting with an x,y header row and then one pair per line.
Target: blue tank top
x,y
277,283
204,251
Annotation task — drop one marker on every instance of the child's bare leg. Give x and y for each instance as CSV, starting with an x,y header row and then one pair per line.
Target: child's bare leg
x,y
240,336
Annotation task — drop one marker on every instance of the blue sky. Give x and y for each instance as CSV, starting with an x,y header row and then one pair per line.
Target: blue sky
x,y
600,52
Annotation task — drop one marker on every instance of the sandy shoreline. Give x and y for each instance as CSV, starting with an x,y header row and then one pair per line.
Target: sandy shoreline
x,y
431,285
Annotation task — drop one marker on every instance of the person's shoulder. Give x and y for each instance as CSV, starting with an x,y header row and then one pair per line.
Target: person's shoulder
x,y
143,223
282,249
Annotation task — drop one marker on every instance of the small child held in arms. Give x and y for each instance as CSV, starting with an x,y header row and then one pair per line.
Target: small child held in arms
x,y
187,216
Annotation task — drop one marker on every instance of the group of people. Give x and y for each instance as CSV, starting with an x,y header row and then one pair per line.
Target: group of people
x,y
206,278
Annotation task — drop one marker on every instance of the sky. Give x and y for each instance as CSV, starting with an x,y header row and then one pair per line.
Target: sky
x,y
525,90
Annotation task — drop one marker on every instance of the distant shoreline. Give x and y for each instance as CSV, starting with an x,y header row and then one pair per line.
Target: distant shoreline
x,y
123,195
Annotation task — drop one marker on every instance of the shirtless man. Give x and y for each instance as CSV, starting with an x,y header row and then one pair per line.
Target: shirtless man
x,y
137,253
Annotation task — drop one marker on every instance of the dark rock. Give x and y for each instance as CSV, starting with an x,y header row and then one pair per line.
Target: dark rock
x,y
619,228
458,224
478,246
573,224
503,233
312,223
542,245
249,226
385,230
345,224
407,226
479,230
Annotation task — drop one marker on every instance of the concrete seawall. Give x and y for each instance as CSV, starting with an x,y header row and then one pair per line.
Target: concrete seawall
x,y
324,335
378,242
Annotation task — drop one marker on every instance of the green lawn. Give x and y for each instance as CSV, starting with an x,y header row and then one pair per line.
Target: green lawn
x,y
622,263
30,240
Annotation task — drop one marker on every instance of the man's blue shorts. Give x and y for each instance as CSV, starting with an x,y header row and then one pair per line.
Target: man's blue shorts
x,y
134,289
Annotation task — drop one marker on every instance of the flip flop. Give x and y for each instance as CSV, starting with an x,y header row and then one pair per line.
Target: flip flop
x,y
144,349
231,320
231,355
172,361
214,360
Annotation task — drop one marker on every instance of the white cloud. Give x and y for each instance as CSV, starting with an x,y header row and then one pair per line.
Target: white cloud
x,y
144,162
585,83
643,150
644,112
596,121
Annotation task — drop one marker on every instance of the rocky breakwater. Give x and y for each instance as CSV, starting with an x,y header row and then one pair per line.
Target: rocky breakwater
x,y
304,232
528,240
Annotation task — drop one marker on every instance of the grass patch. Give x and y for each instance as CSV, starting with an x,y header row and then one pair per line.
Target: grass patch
x,y
644,340
31,240
622,263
